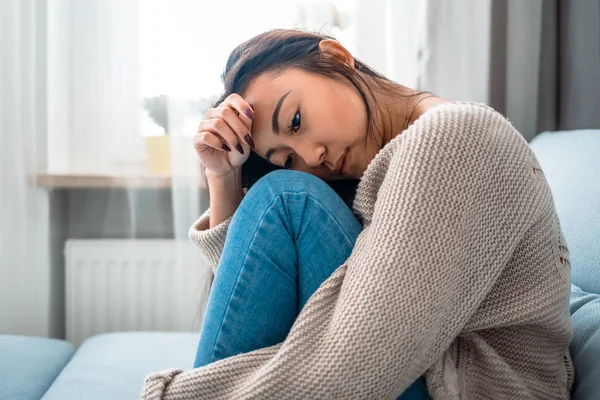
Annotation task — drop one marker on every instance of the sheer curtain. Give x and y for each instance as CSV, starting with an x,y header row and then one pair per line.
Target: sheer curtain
x,y
390,36
26,304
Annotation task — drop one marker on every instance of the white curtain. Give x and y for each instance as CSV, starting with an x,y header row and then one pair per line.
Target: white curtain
x,y
458,49
25,276
93,86
390,37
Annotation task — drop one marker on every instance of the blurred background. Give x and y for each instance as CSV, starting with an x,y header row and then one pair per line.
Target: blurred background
x,y
99,100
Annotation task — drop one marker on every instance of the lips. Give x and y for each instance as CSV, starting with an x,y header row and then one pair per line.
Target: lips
x,y
341,164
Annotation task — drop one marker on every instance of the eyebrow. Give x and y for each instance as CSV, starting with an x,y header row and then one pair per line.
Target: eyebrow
x,y
275,119
275,124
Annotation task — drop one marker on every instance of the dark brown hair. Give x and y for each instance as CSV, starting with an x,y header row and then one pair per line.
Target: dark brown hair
x,y
280,49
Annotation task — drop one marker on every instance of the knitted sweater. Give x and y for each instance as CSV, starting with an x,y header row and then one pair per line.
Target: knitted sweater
x,y
461,273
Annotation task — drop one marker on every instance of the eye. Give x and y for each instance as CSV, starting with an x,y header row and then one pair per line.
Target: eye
x,y
295,123
288,162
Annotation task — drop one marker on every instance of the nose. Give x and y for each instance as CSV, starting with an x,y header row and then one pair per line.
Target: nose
x,y
312,154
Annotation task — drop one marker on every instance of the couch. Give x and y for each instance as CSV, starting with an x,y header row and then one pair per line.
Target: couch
x,y
571,163
107,366
113,366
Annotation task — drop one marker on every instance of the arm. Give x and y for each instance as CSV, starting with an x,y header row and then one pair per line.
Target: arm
x,y
210,230
225,195
224,128
451,208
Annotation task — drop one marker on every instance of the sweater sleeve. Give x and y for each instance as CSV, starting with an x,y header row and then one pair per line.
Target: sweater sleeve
x,y
210,240
450,210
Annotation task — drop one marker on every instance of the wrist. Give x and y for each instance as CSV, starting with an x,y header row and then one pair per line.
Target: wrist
x,y
236,171
232,179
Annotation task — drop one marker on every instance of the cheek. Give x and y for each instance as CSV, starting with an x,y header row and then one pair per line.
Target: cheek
x,y
349,124
342,129
334,116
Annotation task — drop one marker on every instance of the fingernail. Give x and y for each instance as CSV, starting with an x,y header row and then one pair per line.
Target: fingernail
x,y
225,147
239,148
249,140
249,113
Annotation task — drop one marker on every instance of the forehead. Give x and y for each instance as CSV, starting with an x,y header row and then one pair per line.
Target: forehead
x,y
267,88
265,91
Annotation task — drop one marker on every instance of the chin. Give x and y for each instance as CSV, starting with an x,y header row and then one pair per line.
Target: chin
x,y
356,172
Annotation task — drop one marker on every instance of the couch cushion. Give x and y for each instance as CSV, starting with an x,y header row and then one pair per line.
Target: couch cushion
x,y
571,164
29,365
585,349
114,365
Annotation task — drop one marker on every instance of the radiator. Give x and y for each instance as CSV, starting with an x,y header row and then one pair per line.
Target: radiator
x,y
133,285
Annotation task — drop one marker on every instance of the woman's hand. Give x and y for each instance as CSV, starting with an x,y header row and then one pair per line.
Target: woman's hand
x,y
224,140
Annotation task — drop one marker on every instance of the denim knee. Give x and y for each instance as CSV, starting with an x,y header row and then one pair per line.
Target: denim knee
x,y
276,182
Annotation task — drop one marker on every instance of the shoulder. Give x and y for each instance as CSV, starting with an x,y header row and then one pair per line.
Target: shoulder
x,y
451,128
461,141
469,117
456,147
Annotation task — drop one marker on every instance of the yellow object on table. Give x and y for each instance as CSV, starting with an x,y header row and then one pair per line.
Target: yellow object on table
x,y
159,154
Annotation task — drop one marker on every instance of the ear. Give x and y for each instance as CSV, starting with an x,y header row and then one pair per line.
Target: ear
x,y
336,51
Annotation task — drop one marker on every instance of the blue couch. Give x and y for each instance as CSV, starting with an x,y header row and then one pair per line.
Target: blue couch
x,y
571,163
113,366
104,367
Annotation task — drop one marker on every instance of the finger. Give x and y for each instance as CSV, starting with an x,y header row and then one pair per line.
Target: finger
x,y
220,127
236,124
205,138
244,109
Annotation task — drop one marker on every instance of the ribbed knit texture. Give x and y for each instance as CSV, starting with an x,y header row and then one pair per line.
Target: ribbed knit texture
x,y
461,273
210,241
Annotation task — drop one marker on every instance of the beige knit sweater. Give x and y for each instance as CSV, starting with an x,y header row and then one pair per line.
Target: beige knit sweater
x,y
461,273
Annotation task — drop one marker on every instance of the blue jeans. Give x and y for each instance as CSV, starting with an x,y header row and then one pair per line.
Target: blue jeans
x,y
288,235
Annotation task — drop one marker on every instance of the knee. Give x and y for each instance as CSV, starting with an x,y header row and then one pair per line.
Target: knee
x,y
296,191
276,182
274,185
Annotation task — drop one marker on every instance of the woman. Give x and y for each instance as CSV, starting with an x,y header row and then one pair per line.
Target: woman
x,y
448,278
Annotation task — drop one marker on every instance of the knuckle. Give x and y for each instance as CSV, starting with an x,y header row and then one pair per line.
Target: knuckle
x,y
197,143
225,112
209,112
232,97
203,136
199,137
218,123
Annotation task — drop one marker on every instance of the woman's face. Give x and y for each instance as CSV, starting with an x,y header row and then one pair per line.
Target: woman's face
x,y
311,123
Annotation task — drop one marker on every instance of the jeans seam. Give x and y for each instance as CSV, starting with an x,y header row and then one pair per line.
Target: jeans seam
x,y
332,216
277,196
